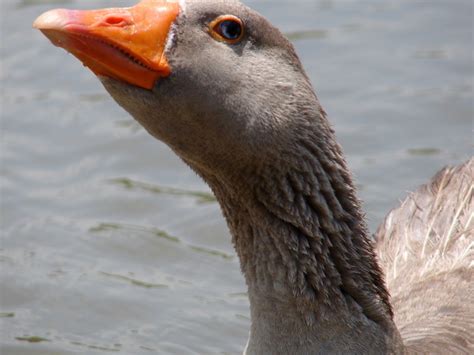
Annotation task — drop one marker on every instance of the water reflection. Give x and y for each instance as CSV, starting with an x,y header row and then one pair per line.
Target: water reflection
x,y
201,197
26,3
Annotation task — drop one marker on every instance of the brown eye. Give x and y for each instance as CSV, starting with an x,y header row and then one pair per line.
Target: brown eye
x,y
227,28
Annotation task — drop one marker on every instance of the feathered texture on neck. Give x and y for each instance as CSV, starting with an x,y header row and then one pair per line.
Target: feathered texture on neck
x,y
319,230
302,241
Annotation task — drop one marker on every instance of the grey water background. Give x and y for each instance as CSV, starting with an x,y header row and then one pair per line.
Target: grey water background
x,y
109,243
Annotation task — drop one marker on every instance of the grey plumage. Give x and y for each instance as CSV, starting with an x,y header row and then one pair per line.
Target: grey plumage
x,y
426,248
245,117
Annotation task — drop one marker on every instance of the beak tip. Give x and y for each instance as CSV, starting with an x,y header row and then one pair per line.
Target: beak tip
x,y
53,19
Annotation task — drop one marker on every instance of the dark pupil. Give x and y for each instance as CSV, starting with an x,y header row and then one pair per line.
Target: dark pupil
x,y
231,29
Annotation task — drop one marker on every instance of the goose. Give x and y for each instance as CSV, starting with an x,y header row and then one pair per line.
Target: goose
x,y
225,90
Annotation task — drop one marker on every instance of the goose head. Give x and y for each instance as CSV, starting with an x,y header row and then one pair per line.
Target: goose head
x,y
212,79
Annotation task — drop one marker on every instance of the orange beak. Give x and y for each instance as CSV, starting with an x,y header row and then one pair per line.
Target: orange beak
x,y
127,44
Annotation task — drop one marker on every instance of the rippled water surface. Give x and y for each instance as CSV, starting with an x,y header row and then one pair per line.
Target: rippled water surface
x,y
111,244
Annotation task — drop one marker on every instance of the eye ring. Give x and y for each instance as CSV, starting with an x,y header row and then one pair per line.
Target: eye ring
x,y
227,28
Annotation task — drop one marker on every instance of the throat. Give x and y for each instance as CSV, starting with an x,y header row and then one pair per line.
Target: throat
x,y
305,252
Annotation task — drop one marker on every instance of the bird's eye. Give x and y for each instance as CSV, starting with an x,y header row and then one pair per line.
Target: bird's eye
x,y
227,28
230,29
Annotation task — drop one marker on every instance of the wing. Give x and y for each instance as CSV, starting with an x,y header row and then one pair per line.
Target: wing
x,y
426,248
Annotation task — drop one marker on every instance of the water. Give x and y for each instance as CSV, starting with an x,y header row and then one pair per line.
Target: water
x,y
111,244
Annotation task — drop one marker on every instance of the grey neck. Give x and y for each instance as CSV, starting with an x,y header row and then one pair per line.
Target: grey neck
x,y
313,280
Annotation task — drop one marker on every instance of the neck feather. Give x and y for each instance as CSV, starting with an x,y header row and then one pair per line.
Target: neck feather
x,y
303,245
300,216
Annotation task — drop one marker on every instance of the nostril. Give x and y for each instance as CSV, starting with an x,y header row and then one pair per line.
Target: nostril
x,y
115,20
